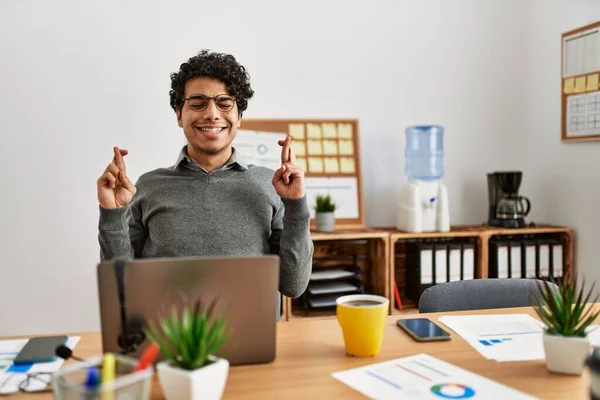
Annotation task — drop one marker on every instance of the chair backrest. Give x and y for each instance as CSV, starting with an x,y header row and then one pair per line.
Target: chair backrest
x,y
479,294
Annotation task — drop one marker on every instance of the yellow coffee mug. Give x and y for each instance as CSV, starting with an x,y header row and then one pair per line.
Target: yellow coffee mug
x,y
362,319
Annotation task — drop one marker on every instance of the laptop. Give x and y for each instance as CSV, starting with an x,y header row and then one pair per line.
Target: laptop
x,y
246,289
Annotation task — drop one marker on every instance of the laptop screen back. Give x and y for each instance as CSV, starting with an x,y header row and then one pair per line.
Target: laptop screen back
x,y
246,289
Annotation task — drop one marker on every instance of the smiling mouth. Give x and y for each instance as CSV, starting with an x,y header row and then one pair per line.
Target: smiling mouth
x,y
210,130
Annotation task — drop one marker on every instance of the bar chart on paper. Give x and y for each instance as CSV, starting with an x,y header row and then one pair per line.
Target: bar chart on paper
x,y
505,337
423,377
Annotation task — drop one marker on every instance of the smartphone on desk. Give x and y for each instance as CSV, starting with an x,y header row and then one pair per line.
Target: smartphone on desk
x,y
423,330
40,349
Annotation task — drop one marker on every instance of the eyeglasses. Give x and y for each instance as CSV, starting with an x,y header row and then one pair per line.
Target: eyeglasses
x,y
34,382
199,102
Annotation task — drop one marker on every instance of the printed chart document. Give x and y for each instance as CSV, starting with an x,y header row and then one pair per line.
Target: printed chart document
x,y
344,192
259,148
423,377
500,337
12,375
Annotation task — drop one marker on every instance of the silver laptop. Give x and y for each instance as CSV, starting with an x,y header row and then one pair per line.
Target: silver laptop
x,y
246,289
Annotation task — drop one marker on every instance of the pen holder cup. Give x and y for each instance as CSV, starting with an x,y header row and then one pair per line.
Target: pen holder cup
x,y
69,382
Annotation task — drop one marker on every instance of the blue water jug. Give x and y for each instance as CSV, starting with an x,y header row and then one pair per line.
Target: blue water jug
x,y
424,152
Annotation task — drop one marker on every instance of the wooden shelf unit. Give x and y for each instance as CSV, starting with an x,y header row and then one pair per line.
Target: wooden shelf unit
x,y
370,247
480,235
377,252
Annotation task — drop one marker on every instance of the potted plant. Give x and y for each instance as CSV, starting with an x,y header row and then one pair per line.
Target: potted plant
x,y
188,339
325,209
563,308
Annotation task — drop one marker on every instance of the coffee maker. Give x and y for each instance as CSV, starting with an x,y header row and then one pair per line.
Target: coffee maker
x,y
506,209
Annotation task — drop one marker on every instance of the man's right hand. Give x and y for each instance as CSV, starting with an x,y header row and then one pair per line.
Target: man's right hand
x,y
114,188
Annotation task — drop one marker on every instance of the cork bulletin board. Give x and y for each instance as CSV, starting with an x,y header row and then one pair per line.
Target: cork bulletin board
x,y
580,84
328,151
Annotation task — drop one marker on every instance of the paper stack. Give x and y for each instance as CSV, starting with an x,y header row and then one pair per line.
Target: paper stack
x,y
503,337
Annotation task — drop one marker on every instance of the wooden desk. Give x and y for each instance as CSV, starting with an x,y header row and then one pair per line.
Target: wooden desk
x,y
308,351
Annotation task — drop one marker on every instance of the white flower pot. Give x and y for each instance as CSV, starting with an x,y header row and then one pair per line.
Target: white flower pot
x,y
325,221
566,355
206,383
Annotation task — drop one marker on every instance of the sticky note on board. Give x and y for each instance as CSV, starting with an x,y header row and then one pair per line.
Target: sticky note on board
x,y
569,86
313,131
329,131
331,165
296,131
301,162
299,148
580,84
315,148
315,165
346,147
347,165
330,147
592,82
345,131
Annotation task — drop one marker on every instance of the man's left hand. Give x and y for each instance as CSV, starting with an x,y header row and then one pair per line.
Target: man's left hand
x,y
289,178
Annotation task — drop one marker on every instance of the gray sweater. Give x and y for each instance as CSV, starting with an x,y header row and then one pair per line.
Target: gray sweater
x,y
232,211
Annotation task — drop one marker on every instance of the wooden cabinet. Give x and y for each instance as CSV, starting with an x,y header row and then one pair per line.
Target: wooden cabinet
x,y
381,255
367,248
480,237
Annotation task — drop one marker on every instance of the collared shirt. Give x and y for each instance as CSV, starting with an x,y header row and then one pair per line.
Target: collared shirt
x,y
235,161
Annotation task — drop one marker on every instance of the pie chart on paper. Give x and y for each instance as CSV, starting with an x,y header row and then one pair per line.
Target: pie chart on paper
x,y
422,376
452,391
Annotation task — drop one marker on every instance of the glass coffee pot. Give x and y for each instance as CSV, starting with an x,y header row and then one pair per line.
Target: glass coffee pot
x,y
513,208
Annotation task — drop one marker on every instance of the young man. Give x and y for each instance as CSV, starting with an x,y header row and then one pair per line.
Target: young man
x,y
210,203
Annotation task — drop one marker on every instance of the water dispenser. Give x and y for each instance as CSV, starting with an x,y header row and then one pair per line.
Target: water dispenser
x,y
423,200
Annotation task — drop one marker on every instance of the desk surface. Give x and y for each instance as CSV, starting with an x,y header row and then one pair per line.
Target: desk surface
x,y
309,351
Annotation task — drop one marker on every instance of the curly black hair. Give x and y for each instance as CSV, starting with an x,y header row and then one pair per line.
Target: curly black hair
x,y
223,67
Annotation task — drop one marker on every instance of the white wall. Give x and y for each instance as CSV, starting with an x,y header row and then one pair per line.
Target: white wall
x,y
78,77
562,179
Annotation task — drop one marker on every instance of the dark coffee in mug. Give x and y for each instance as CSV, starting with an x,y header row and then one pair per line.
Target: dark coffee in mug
x,y
362,303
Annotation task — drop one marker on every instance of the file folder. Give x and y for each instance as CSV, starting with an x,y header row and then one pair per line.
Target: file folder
x,y
468,261
529,258
556,259
429,263
454,262
419,268
425,264
514,260
543,258
440,263
498,259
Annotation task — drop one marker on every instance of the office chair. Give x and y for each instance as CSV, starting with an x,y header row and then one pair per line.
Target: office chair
x,y
479,294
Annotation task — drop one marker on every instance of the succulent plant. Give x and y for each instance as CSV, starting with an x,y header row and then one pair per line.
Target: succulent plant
x,y
325,203
565,310
188,335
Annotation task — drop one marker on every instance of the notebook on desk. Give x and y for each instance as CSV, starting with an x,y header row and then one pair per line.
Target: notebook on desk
x,y
246,289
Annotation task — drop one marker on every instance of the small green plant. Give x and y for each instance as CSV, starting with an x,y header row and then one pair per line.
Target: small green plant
x,y
325,203
188,336
564,310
